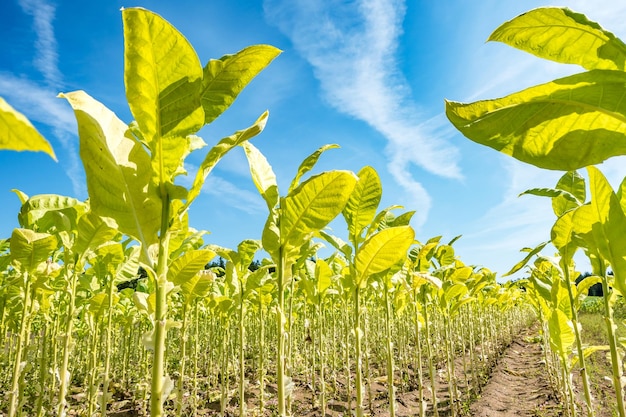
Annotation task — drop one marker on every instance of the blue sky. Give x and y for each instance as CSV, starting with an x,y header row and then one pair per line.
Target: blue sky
x,y
369,75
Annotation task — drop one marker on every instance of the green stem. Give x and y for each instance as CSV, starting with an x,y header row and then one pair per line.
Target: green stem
x,y
160,315
67,345
390,368
22,341
242,361
357,347
280,324
261,356
418,359
431,363
183,357
579,345
107,351
616,362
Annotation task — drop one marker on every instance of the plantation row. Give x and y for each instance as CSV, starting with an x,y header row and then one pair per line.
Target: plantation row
x,y
223,336
82,333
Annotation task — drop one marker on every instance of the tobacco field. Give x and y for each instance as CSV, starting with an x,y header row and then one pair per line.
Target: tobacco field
x,y
117,306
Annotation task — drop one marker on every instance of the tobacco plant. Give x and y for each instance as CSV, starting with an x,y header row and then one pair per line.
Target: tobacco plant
x,y
569,123
131,168
293,219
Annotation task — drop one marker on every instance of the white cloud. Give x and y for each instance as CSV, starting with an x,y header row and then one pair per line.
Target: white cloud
x,y
352,47
39,103
46,58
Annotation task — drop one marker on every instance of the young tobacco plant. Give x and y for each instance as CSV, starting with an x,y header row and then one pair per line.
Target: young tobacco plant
x,y
131,169
293,219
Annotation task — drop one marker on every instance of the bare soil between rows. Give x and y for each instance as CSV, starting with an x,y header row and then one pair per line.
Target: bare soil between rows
x,y
519,384
515,383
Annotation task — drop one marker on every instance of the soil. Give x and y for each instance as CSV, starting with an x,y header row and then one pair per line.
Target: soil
x,y
513,384
518,385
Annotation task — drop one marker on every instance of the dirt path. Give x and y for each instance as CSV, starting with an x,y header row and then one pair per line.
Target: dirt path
x,y
518,385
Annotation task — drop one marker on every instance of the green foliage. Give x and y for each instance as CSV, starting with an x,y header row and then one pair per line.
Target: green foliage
x,y
18,134
565,124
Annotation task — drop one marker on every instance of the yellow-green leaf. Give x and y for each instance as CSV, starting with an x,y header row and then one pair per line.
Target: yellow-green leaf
x,y
562,335
226,77
218,151
363,203
118,170
382,250
262,175
561,35
565,124
313,204
29,248
163,77
18,134
188,265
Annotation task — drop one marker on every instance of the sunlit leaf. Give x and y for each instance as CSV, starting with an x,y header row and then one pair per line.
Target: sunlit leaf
x,y
163,78
218,151
226,77
565,124
307,164
561,35
382,250
363,202
313,204
18,134
262,175
118,171
29,249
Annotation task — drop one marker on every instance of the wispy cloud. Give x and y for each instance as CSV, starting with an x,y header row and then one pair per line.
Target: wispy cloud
x,y
38,102
41,105
352,47
46,59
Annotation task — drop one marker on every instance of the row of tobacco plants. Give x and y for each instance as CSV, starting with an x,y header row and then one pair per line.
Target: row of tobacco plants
x,y
384,306
81,329
567,124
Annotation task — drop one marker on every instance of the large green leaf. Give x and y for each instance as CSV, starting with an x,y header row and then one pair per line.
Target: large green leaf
x,y
562,335
312,205
382,250
92,232
118,171
29,249
199,285
226,77
163,78
363,203
561,35
51,213
565,124
218,151
99,303
262,175
610,230
18,134
188,265
323,275
574,184
307,164
562,235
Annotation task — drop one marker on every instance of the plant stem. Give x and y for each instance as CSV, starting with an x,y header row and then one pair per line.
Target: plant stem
x,y
160,316
22,341
357,346
390,369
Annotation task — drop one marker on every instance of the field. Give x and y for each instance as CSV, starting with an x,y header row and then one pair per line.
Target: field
x,y
117,306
